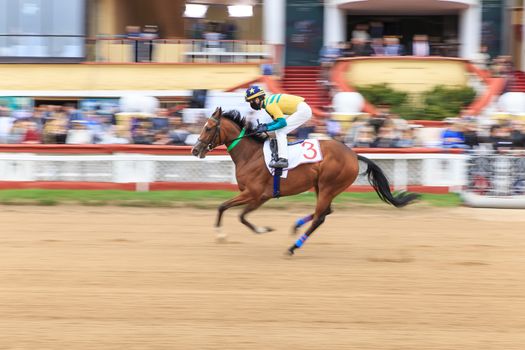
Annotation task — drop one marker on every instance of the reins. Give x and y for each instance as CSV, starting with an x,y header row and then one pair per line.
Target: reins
x,y
212,144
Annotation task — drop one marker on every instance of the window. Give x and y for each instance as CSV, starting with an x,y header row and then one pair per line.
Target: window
x,y
42,28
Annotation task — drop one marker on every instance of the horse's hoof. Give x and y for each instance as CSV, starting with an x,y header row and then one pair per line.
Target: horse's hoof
x,y
290,251
293,231
265,229
221,236
221,239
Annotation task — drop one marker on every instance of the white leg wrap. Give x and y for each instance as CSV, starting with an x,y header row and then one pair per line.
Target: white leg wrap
x,y
220,234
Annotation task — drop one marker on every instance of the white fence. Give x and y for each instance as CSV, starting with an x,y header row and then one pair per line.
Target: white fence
x,y
432,169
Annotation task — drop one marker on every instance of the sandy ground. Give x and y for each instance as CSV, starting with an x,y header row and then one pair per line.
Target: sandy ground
x,y
132,278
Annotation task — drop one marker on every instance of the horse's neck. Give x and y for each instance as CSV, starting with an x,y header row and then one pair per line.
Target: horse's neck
x,y
246,151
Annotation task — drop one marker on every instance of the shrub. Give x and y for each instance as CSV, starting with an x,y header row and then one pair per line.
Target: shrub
x,y
382,94
439,103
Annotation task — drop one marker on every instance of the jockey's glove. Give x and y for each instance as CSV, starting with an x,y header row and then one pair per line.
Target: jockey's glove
x,y
261,128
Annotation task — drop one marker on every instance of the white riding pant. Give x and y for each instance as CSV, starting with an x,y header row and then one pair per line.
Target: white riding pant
x,y
301,116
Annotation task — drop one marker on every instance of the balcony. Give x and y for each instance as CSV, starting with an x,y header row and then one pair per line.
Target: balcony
x,y
125,50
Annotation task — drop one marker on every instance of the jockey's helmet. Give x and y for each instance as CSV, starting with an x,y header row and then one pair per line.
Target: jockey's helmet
x,y
253,92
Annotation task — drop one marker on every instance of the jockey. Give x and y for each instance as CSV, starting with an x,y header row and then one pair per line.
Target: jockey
x,y
287,111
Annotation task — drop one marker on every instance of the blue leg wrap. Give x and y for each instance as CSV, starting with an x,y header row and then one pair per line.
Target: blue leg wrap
x,y
304,220
299,243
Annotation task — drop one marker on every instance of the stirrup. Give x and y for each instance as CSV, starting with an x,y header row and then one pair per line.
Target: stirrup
x,y
279,164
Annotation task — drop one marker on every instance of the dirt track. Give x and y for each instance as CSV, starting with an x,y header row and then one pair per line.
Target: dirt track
x,y
130,278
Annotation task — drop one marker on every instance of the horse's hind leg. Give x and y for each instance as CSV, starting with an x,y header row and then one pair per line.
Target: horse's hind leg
x,y
322,209
300,222
304,220
249,208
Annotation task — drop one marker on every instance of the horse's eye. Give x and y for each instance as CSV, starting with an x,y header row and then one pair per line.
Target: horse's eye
x,y
207,128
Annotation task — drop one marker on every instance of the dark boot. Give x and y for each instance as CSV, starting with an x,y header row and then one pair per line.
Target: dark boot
x,y
280,163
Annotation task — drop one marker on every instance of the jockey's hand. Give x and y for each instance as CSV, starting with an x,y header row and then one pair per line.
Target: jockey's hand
x,y
261,128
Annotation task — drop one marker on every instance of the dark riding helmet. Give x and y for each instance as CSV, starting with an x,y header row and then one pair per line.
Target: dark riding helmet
x,y
252,93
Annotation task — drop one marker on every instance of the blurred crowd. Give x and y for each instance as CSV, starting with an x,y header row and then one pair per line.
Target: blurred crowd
x,y
54,124
212,30
471,133
388,130
384,130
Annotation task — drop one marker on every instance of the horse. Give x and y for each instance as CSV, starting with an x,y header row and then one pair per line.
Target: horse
x,y
337,170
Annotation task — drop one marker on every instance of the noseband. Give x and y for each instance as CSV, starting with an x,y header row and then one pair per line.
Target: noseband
x,y
212,144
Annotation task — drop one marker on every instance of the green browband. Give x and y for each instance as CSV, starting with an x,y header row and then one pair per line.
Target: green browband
x,y
237,140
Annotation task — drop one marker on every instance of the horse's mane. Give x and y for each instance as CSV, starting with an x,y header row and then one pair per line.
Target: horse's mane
x,y
241,122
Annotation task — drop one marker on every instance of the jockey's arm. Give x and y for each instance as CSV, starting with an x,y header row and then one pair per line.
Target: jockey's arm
x,y
278,117
277,124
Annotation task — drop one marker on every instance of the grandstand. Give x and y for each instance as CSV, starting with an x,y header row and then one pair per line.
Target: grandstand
x,y
123,72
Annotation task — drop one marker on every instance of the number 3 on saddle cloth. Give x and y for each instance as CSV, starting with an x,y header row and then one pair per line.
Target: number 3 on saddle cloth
x,y
300,152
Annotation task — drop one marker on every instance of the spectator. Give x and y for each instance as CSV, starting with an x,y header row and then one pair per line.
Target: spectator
x,y
518,134
160,120
359,48
378,47
365,137
197,29
393,47
420,46
501,138
329,53
145,45
407,138
453,136
333,128
32,135
17,132
6,123
354,131
361,33
320,132
178,132
470,133
162,138
376,29
142,136
482,58
133,34
385,138
55,129
80,134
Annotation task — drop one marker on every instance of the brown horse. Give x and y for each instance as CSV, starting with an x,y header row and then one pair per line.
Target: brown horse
x,y
329,177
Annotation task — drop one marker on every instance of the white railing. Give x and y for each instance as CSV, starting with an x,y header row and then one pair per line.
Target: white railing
x,y
435,169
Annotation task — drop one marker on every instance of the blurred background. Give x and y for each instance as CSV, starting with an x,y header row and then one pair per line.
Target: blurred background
x,y
406,77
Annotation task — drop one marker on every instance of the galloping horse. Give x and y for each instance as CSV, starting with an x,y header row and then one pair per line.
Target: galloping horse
x,y
329,177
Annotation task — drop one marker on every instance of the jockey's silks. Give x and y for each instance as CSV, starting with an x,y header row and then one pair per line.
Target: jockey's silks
x,y
279,105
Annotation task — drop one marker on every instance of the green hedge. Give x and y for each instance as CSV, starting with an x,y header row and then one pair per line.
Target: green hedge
x,y
439,103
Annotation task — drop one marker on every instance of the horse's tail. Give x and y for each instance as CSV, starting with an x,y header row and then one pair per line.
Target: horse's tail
x,y
378,180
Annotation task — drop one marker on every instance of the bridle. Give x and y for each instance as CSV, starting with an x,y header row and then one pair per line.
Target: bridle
x,y
212,144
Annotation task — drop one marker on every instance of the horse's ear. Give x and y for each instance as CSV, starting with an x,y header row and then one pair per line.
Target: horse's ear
x,y
220,111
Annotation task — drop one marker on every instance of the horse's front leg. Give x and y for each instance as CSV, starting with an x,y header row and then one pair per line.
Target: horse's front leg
x,y
253,205
242,198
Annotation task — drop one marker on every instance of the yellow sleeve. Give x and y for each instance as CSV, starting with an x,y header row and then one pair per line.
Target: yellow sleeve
x,y
274,111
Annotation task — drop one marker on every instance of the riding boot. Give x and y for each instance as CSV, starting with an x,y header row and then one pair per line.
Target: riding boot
x,y
282,149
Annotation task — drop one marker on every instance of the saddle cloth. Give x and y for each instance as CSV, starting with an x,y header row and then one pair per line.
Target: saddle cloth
x,y
307,151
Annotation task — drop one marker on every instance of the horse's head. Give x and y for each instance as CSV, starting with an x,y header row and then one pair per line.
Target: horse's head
x,y
210,136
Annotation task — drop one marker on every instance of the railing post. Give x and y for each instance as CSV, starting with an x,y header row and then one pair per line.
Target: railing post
x,y
400,174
